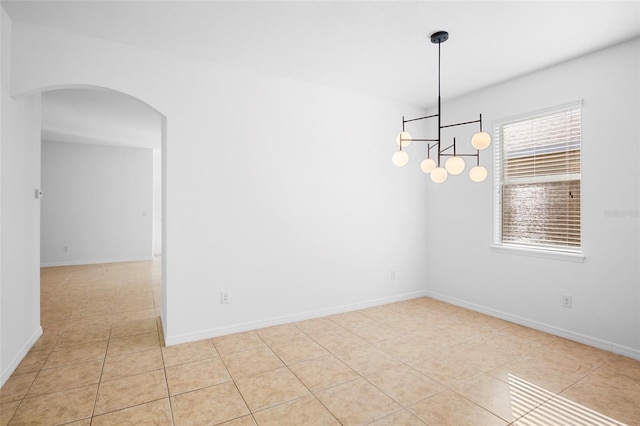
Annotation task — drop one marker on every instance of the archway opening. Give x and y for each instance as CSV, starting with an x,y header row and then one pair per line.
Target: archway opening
x,y
103,185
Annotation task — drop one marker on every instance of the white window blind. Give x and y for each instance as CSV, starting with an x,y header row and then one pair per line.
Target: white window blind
x,y
537,180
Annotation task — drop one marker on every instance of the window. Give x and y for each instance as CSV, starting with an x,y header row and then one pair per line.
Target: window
x,y
537,181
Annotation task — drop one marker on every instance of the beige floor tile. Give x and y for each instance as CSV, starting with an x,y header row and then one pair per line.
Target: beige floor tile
x,y
76,353
367,359
404,384
51,315
317,325
357,402
83,422
32,362
351,320
196,375
279,333
84,334
306,411
57,408
512,345
508,401
66,377
622,365
137,343
553,371
531,336
443,369
339,340
128,316
404,348
131,390
451,409
264,390
382,314
128,306
485,321
237,342
98,320
583,353
609,393
405,325
561,411
188,352
483,356
16,387
374,333
251,361
399,418
442,337
212,405
241,421
131,328
321,373
152,413
135,294
93,309
131,364
298,349
47,341
6,412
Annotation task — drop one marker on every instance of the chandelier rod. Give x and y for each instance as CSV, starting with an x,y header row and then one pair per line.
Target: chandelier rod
x,y
439,106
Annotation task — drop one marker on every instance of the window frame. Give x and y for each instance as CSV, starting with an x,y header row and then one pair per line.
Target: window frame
x,y
549,252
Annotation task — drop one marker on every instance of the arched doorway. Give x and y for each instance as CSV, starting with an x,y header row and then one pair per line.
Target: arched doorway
x,y
107,126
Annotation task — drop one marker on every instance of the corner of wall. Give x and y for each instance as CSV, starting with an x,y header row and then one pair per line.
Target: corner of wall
x,y
5,41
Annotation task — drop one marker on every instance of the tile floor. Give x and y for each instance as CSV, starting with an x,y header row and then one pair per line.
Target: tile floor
x,y
101,361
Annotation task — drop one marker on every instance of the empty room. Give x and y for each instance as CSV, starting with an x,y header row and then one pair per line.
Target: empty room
x,y
320,213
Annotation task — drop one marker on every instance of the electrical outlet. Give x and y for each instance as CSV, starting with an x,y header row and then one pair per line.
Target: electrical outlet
x,y
224,297
566,301
65,248
392,275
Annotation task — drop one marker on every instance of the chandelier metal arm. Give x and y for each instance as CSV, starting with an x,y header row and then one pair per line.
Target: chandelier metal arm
x,y
459,155
419,118
462,124
444,126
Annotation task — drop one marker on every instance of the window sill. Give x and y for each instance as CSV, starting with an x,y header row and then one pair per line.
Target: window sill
x,y
535,252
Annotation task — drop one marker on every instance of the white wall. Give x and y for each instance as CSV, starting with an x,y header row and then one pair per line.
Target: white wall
x,y
19,220
157,202
97,205
280,192
606,286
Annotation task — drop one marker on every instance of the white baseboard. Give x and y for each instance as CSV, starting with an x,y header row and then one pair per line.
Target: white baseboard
x,y
556,331
93,261
20,356
301,316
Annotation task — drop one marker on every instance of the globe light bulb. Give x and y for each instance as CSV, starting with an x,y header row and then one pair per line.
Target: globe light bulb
x,y
454,165
478,173
439,175
427,165
481,140
400,158
404,138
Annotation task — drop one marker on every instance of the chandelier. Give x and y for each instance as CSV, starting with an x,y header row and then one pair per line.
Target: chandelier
x,y
454,164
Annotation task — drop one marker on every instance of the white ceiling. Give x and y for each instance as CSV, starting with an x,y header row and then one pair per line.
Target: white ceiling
x,y
378,48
